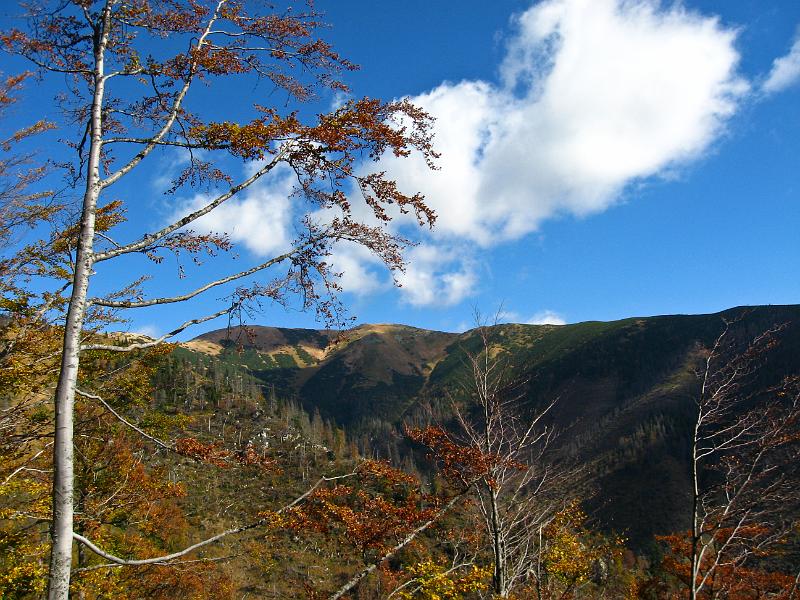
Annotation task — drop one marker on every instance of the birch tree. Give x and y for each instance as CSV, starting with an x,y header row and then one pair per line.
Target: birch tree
x,y
129,72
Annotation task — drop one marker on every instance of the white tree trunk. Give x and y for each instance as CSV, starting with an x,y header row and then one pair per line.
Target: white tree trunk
x,y
63,476
500,576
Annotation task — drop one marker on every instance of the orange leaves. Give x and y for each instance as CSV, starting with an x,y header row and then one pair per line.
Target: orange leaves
x,y
372,515
164,16
330,150
213,453
730,579
462,464
249,141
250,457
216,454
378,470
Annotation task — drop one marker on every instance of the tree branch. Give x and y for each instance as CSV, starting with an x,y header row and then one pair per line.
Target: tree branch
x,y
148,240
396,548
24,465
157,341
138,430
168,557
201,289
177,563
173,114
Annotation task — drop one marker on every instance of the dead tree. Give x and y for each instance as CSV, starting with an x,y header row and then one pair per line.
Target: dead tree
x,y
520,489
744,451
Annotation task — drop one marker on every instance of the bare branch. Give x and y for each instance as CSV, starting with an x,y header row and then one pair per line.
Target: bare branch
x,y
235,530
157,341
24,466
150,239
138,430
198,291
174,563
355,579
173,114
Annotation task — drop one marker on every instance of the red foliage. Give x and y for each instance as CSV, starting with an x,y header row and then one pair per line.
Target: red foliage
x,y
462,464
373,515
215,453
731,580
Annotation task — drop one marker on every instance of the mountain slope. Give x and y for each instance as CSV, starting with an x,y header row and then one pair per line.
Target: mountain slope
x,y
624,390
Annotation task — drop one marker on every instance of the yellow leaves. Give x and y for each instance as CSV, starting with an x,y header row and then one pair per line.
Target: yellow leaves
x,y
23,556
34,492
106,218
274,520
29,354
251,140
435,581
23,569
572,551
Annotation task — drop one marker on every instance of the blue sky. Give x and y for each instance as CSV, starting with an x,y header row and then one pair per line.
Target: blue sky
x,y
694,233
600,159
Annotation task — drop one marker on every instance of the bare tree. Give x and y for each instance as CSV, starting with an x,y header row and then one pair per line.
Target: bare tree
x,y
744,451
126,97
520,489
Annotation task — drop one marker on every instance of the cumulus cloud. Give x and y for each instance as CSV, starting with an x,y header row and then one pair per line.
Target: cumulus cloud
x,y
546,317
260,218
361,271
437,276
542,317
507,316
785,70
595,94
592,96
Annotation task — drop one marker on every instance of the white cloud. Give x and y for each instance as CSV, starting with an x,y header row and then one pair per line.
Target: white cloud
x,y
543,317
596,94
546,317
506,316
260,218
339,98
464,113
171,162
437,276
361,272
785,70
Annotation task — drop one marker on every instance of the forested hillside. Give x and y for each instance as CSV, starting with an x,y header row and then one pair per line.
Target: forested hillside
x,y
624,391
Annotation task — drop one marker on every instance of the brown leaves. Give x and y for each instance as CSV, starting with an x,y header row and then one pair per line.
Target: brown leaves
x,y
462,464
325,156
216,454
241,40
331,151
372,515
731,579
